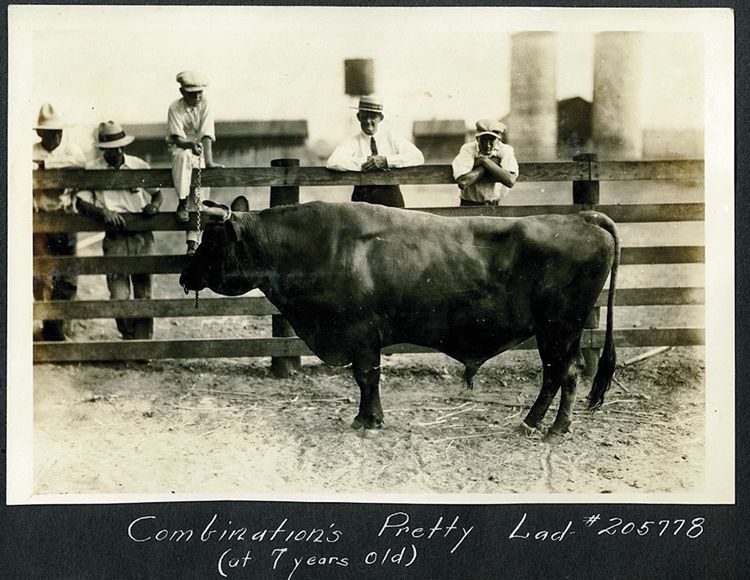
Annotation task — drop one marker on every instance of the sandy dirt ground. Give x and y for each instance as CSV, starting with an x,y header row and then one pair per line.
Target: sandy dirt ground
x,y
228,426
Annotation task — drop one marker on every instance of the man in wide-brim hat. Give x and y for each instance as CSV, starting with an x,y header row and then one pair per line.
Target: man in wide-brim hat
x,y
374,150
110,206
53,153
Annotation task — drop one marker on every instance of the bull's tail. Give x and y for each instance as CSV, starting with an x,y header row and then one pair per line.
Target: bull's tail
x,y
606,368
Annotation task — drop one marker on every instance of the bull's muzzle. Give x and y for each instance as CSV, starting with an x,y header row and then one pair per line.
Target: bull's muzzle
x,y
189,283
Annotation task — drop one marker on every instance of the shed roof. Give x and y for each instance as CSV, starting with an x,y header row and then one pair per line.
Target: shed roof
x,y
439,127
228,129
571,101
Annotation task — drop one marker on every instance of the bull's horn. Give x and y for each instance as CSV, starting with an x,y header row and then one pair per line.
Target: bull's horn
x,y
216,210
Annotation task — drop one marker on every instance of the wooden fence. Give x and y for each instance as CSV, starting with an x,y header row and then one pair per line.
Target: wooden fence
x,y
284,178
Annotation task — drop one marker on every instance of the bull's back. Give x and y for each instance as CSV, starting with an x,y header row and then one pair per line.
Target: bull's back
x,y
378,249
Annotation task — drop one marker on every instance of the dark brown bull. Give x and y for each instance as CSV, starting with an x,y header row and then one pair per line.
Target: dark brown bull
x,y
352,278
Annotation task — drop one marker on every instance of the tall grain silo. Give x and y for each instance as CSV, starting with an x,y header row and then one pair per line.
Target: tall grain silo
x,y
532,123
616,108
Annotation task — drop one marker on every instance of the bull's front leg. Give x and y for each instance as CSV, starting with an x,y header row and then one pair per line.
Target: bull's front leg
x,y
366,370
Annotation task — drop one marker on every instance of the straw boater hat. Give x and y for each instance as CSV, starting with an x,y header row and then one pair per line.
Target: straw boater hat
x,y
49,119
112,136
192,81
370,103
491,127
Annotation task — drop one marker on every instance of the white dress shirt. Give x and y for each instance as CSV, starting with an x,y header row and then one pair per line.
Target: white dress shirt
x,y
117,200
352,153
65,155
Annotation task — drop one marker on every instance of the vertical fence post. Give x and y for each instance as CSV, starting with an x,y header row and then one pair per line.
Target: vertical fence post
x,y
586,194
283,367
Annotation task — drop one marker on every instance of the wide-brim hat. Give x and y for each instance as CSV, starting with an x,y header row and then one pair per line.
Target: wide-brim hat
x,y
49,119
192,81
491,127
110,136
370,103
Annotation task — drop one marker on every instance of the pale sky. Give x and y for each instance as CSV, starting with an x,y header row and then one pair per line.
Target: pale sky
x,y
99,63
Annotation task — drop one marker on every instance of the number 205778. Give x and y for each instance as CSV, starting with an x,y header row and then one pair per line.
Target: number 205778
x,y
690,528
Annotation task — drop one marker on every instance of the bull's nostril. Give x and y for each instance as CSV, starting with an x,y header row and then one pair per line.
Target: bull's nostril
x,y
185,289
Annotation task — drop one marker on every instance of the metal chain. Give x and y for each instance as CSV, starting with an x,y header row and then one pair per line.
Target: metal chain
x,y
198,215
198,201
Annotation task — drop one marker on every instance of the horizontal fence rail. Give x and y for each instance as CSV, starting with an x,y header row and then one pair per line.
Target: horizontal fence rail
x,y
288,347
587,171
260,306
318,176
173,264
631,213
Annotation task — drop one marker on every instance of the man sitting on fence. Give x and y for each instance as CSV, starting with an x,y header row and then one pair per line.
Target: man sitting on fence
x,y
53,153
108,206
373,150
190,134
486,168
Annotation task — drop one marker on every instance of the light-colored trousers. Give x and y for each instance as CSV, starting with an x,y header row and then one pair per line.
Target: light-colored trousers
x,y
183,162
130,244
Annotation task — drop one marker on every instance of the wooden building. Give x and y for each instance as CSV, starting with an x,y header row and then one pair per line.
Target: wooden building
x,y
238,143
573,127
439,139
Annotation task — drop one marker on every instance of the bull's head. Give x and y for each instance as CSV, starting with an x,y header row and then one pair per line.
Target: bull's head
x,y
227,258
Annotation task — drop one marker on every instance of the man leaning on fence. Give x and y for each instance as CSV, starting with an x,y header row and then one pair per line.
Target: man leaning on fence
x,y
486,168
108,206
53,153
374,150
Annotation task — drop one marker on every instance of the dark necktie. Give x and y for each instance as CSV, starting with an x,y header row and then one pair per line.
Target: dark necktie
x,y
373,146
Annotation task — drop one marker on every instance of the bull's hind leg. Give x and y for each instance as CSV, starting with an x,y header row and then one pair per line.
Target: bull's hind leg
x,y
543,400
366,370
561,359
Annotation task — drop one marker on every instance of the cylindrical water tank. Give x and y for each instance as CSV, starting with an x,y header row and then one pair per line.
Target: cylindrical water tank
x,y
359,76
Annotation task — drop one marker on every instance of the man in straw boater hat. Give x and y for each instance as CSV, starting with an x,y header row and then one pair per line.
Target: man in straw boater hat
x,y
108,205
52,153
486,168
374,150
190,134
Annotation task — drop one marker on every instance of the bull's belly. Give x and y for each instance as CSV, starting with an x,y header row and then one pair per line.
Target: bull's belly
x,y
480,338
465,332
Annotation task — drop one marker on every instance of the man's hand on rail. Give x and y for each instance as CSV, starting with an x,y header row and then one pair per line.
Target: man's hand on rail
x,y
112,218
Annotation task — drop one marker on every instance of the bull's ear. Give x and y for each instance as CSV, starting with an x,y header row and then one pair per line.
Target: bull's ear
x,y
234,230
211,209
240,203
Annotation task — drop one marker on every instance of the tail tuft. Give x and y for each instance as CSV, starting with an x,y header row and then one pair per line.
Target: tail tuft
x,y
603,378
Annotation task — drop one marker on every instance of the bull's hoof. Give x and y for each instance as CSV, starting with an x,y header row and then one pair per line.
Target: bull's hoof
x,y
554,437
367,423
369,433
527,430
